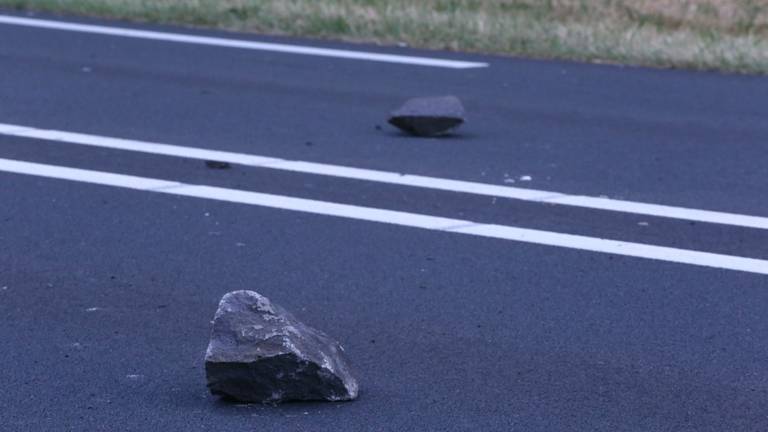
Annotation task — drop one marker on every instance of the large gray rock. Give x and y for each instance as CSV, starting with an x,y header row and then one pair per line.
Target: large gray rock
x,y
259,352
429,116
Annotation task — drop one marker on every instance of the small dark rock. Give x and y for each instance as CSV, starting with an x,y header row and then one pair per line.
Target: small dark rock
x,y
217,165
429,116
309,143
261,353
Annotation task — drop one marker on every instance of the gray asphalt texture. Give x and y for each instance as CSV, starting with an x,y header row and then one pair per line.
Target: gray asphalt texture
x,y
106,295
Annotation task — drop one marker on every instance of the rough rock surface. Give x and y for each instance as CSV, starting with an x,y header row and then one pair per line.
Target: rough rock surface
x,y
260,353
429,116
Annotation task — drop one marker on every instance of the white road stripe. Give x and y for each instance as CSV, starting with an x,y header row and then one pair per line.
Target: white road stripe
x,y
235,43
533,195
434,223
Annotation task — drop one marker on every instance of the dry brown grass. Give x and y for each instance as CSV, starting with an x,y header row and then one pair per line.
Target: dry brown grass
x,y
727,35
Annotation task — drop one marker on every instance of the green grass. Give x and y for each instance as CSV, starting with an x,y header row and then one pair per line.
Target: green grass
x,y
726,35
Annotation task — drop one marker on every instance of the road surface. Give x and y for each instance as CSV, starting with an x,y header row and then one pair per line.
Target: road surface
x,y
590,253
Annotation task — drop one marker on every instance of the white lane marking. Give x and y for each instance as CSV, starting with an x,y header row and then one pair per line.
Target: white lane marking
x,y
242,44
435,223
532,195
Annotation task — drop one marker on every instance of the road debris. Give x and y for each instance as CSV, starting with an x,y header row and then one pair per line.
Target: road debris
x,y
212,164
261,353
429,116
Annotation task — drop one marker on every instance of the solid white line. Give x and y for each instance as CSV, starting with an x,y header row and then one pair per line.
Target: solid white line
x,y
434,223
533,195
235,43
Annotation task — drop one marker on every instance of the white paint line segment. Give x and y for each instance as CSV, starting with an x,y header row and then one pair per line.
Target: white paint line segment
x,y
235,43
443,184
434,223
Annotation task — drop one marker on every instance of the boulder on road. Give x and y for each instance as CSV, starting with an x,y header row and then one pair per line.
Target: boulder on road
x,y
261,353
429,116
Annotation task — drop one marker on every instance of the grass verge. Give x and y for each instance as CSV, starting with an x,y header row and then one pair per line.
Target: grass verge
x,y
726,35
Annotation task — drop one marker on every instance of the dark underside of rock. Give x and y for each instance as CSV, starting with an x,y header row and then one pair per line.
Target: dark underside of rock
x,y
429,116
261,353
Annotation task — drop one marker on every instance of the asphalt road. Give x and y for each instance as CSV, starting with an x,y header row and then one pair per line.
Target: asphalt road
x,y
106,294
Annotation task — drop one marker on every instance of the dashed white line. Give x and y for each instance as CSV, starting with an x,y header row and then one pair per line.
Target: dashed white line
x,y
503,232
533,195
237,43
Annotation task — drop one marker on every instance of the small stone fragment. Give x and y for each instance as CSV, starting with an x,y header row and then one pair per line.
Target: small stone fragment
x,y
429,116
261,353
217,164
